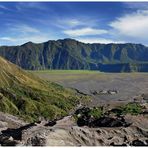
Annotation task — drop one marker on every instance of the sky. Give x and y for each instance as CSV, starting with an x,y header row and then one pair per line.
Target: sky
x,y
89,22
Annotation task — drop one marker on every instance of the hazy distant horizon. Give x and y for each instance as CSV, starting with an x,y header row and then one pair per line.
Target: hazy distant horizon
x,y
75,40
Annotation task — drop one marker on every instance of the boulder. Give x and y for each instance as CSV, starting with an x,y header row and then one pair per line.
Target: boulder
x,y
103,122
36,141
3,125
50,123
110,122
138,143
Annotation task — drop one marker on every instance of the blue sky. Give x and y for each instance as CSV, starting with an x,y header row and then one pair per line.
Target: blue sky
x,y
90,22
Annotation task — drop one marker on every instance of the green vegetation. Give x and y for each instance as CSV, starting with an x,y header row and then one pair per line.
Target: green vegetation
x,y
65,71
96,112
70,54
27,96
86,114
68,75
130,108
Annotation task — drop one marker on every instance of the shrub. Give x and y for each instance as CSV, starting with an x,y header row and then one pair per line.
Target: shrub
x,y
130,108
96,112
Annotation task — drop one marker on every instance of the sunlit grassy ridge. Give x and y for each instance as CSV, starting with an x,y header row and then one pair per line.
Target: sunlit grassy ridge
x,y
26,95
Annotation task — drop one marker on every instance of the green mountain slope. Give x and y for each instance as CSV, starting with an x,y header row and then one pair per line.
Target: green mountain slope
x,y
71,54
29,97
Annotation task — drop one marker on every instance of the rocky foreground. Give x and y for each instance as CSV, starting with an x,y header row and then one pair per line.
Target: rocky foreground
x,y
107,131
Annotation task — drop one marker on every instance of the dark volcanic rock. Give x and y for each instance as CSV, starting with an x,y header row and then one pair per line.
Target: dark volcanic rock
x,y
36,141
82,122
50,123
4,141
103,122
16,133
110,122
138,143
83,110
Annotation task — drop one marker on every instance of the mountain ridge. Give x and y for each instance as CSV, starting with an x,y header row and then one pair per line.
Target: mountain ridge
x,y
72,54
71,39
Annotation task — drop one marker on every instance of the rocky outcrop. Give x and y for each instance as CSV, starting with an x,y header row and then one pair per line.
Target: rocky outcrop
x,y
108,136
103,122
104,92
110,122
104,131
66,133
85,136
86,117
7,120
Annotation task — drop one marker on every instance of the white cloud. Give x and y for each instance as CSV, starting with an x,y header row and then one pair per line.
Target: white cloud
x,y
136,5
35,38
3,7
133,25
7,39
23,39
84,32
20,34
98,40
67,23
35,5
73,23
22,28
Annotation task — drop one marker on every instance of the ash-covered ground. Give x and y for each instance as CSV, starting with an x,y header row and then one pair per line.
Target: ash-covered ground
x,y
127,85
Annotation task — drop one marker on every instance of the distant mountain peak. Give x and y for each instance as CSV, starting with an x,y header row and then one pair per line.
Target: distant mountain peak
x,y
71,54
28,43
74,40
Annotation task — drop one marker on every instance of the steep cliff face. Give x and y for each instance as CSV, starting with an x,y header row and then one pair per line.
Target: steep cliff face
x,y
71,54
